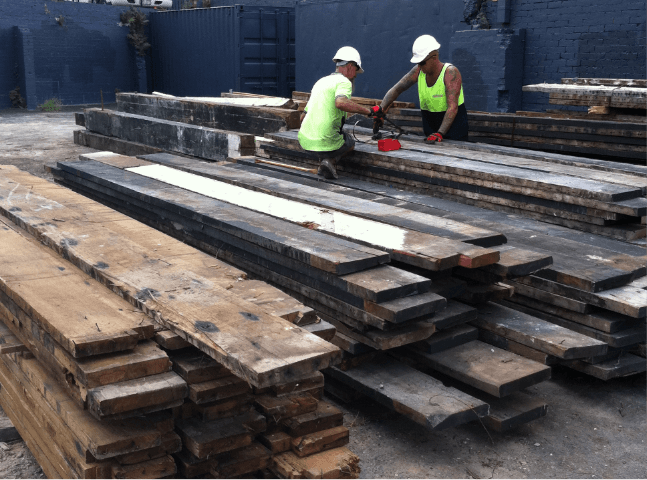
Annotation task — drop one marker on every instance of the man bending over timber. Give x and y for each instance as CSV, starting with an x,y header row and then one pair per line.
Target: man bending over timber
x,y
324,116
440,89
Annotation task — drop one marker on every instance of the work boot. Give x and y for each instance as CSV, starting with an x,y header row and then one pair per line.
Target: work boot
x,y
328,170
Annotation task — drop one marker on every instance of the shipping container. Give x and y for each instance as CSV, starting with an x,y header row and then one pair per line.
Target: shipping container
x,y
203,52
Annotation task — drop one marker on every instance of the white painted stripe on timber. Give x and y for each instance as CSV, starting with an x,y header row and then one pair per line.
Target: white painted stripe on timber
x,y
326,220
233,145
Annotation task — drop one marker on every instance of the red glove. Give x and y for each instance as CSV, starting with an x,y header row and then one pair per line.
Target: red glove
x,y
434,137
376,111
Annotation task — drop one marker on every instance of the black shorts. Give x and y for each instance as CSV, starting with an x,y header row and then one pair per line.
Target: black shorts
x,y
431,122
349,144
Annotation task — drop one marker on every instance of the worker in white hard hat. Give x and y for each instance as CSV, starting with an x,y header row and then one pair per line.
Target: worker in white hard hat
x,y
325,113
440,89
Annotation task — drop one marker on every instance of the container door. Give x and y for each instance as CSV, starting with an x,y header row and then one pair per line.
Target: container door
x,y
266,50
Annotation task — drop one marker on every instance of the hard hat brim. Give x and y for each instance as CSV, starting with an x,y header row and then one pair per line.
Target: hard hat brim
x,y
418,58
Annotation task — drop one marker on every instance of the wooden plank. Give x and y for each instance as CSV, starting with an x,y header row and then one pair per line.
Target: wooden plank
x,y
195,367
585,266
365,209
49,454
308,246
117,145
490,369
278,408
204,439
407,391
335,463
136,397
240,462
503,343
360,100
509,178
277,442
228,407
536,333
615,82
170,340
320,441
239,118
446,339
543,296
623,366
623,338
219,389
89,322
315,380
323,417
384,340
132,281
97,440
605,321
456,313
404,245
171,443
322,329
626,300
157,468
167,135
514,410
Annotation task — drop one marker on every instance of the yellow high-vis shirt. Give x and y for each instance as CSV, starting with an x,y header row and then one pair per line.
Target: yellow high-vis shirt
x,y
320,129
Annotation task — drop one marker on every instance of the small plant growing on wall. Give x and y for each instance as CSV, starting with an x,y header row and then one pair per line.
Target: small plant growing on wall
x,y
51,105
136,22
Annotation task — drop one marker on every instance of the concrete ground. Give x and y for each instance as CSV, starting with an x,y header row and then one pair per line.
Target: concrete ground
x,y
593,429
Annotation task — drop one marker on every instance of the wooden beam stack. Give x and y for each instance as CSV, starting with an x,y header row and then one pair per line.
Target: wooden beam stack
x,y
116,380
351,335
570,196
233,117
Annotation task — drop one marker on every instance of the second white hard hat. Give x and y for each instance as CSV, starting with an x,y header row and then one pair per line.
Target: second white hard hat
x,y
348,54
423,46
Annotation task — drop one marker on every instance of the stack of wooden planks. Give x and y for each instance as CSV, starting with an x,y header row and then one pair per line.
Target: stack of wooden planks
x,y
601,277
359,346
230,116
568,195
78,361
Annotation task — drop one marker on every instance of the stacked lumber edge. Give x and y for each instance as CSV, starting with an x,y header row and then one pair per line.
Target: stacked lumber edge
x,y
99,388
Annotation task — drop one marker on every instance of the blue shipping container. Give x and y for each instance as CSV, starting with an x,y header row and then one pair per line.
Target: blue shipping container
x,y
203,52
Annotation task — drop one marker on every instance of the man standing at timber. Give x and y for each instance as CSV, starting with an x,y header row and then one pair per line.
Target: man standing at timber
x,y
440,89
329,105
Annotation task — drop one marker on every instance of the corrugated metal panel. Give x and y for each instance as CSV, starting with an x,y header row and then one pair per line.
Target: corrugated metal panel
x,y
194,52
267,50
203,52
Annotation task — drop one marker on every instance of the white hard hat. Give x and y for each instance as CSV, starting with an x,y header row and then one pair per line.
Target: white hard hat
x,y
348,54
423,46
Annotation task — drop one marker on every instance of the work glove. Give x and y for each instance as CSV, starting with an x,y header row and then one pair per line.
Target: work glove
x,y
434,137
376,112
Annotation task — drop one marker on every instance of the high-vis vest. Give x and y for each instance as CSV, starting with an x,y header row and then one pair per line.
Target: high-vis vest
x,y
433,99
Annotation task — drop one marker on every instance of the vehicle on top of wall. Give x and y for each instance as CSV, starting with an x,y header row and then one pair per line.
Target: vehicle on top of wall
x,y
141,3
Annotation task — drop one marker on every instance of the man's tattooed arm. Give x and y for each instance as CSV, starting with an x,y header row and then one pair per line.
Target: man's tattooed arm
x,y
406,82
453,83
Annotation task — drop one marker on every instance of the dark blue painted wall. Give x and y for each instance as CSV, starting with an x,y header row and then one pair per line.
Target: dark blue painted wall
x,y
579,38
72,62
563,39
383,32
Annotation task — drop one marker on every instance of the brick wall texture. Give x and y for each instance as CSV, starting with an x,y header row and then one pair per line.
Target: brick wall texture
x,y
89,52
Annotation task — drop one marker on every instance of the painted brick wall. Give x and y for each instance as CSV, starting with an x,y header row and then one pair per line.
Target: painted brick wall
x,y
489,63
577,38
73,61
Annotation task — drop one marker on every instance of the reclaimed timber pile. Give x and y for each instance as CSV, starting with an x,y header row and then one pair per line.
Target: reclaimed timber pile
x,y
463,357
83,364
569,195
360,335
590,290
